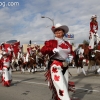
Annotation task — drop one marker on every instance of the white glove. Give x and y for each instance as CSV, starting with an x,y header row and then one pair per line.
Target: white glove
x,y
97,35
8,49
55,50
95,31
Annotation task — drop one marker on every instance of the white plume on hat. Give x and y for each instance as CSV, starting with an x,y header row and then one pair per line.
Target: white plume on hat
x,y
63,27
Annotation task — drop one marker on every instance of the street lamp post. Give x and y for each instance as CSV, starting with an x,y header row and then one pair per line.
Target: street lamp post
x,y
48,18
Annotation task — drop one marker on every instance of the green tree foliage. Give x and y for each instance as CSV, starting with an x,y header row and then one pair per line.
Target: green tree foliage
x,y
73,44
86,42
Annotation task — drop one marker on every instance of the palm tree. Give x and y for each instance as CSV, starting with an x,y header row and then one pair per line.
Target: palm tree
x,y
73,44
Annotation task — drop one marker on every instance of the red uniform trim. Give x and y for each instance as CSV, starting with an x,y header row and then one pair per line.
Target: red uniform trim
x,y
57,63
92,24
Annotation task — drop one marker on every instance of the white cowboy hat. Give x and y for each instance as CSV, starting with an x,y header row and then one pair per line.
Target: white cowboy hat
x,y
93,16
59,26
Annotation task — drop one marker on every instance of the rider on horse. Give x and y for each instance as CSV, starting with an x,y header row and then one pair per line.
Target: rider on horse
x,y
29,49
93,32
79,59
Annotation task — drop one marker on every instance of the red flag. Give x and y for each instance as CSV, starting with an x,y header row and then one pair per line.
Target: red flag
x,y
6,46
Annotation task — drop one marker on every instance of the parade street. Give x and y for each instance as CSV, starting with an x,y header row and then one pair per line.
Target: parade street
x,y
34,87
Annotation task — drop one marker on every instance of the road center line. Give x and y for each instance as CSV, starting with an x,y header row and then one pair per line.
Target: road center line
x,y
47,85
31,82
87,89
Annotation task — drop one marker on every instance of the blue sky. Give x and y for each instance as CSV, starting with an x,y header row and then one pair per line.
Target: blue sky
x,y
23,22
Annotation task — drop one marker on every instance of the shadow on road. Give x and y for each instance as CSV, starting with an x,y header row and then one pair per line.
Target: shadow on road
x,y
81,92
17,82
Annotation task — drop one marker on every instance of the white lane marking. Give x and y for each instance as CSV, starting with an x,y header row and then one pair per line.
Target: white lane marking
x,y
47,85
87,89
30,82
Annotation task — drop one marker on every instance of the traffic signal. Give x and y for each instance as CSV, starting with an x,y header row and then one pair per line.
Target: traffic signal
x,y
30,42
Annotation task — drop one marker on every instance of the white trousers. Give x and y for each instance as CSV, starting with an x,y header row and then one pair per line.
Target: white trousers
x,y
93,39
60,81
7,75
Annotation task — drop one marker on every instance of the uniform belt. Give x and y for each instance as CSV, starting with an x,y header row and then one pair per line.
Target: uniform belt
x,y
57,57
65,64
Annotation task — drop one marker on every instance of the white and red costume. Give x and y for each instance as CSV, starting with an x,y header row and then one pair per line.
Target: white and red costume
x,y
1,66
6,64
29,50
80,58
16,48
93,33
6,76
57,75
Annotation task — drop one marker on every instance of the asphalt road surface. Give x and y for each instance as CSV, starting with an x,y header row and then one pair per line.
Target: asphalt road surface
x,y
34,87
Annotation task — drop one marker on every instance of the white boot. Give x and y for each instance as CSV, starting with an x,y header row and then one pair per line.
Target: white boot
x,y
35,69
29,70
73,65
83,71
23,70
32,70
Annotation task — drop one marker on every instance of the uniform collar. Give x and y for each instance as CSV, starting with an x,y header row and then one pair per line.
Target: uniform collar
x,y
59,39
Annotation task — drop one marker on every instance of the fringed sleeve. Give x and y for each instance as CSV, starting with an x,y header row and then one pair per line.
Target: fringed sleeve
x,y
48,47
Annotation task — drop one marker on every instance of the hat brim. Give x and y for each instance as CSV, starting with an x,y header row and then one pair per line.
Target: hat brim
x,y
63,27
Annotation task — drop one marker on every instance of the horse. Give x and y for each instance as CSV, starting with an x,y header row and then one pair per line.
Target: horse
x,y
93,57
97,58
20,63
14,63
32,65
42,60
78,58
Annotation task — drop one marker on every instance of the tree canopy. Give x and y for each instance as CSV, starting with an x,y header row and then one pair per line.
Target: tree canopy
x,y
86,42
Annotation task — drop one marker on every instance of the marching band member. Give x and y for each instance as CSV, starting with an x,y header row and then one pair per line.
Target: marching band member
x,y
94,37
6,77
57,73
